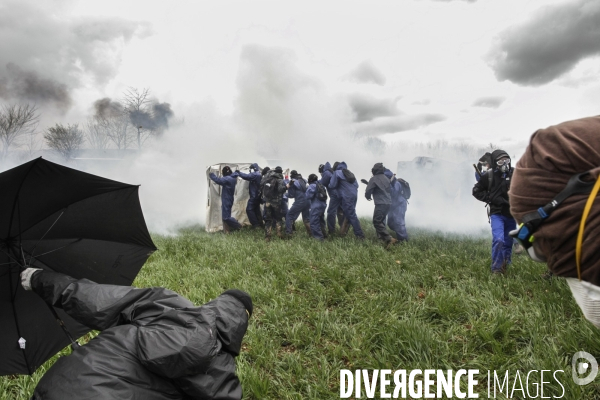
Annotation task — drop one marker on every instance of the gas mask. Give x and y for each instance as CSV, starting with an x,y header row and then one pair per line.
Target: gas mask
x,y
503,164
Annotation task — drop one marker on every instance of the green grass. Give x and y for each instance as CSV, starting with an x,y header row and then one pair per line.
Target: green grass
x,y
343,304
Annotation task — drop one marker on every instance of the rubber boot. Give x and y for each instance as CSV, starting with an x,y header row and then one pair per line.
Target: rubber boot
x,y
307,226
344,228
279,231
324,230
390,243
226,229
268,230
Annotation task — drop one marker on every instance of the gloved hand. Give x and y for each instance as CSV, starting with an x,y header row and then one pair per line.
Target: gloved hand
x,y
26,276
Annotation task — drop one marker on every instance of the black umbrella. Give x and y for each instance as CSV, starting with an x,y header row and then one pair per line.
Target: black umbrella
x,y
60,219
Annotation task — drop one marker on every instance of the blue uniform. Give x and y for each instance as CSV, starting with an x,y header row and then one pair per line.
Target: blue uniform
x,y
395,218
228,189
317,212
348,192
253,206
335,202
297,191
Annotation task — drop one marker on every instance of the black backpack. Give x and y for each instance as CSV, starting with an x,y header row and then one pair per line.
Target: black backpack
x,y
321,192
405,188
270,188
349,176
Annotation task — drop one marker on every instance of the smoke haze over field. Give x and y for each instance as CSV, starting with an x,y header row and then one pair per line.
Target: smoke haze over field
x,y
305,84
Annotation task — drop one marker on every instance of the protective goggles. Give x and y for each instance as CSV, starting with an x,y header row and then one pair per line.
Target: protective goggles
x,y
532,221
504,161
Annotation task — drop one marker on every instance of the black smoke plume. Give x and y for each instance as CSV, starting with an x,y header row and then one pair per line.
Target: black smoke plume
x,y
28,86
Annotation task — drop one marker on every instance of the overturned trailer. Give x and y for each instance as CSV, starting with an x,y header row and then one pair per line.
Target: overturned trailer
x,y
214,223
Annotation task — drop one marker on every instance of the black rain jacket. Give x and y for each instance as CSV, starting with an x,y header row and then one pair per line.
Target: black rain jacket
x,y
496,194
154,344
379,186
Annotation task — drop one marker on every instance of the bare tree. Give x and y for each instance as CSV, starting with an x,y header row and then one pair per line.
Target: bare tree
x,y
32,144
96,133
118,131
136,105
66,140
15,121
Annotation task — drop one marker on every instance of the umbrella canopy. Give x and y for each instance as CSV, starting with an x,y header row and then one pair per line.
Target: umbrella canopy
x,y
60,219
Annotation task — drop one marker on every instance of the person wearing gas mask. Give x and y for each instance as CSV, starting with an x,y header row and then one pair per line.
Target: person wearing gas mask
x,y
482,167
316,194
297,190
228,182
253,206
553,196
492,188
379,188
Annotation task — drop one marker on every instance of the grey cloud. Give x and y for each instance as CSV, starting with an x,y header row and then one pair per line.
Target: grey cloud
x,y
548,45
366,72
397,124
28,86
489,101
366,107
44,43
271,89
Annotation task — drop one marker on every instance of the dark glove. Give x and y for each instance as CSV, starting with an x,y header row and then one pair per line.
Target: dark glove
x,y
364,181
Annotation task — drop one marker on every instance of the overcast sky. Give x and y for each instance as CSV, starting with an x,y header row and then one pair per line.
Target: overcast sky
x,y
480,70
318,72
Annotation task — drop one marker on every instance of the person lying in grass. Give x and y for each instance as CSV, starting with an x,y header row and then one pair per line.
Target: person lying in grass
x,y
154,344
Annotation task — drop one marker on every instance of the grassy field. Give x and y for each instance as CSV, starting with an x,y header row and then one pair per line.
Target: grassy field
x,y
345,304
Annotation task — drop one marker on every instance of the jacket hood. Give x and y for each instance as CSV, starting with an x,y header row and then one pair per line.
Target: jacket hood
x,y
342,166
487,157
378,169
496,154
327,167
388,173
184,341
255,167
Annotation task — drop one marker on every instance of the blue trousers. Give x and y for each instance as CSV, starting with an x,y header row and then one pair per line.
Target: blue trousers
x,y
299,207
228,219
253,212
317,221
335,202
349,208
395,220
502,243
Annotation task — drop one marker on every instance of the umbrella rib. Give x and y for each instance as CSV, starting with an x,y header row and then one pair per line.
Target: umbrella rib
x,y
11,257
43,236
52,251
